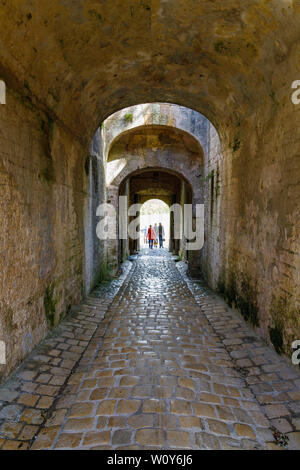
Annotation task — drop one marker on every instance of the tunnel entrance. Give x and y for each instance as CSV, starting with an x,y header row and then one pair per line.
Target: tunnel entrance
x,y
154,150
123,64
172,190
155,212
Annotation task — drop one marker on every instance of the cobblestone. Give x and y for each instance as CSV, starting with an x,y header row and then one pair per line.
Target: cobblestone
x,y
154,361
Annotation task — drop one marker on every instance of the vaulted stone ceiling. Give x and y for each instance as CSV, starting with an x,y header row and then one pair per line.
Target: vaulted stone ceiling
x,y
82,60
156,138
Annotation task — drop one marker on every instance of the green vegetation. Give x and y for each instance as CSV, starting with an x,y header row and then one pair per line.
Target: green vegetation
x,y
128,117
209,176
104,275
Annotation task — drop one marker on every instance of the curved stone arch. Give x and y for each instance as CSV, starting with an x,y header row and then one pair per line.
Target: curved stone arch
x,y
140,185
157,114
161,198
127,172
187,159
172,130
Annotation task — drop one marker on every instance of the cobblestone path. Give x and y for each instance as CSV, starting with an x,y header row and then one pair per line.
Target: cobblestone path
x,y
161,364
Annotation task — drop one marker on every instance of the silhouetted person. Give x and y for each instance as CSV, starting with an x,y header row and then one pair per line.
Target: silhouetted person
x,y
151,236
161,235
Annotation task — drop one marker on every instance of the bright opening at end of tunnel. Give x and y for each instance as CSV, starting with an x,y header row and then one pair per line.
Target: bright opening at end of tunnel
x,y
154,212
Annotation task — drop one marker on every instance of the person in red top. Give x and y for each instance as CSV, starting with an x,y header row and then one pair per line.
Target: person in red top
x,y
151,236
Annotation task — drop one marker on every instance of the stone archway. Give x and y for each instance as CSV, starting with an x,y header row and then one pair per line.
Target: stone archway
x,y
73,65
157,146
160,148
170,137
145,184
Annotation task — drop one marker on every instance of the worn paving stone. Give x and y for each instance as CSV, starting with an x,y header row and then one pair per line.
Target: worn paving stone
x,y
27,398
155,361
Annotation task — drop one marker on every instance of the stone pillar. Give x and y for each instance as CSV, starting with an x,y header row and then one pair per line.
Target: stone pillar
x,y
135,244
138,228
124,244
95,249
182,242
172,243
194,256
113,261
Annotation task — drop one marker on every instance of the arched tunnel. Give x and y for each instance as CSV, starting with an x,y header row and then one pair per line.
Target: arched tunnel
x,y
123,347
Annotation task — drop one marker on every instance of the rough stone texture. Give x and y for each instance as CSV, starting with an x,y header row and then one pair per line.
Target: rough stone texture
x,y
161,137
252,230
155,115
54,369
95,258
242,263
156,364
70,65
43,189
157,147
219,59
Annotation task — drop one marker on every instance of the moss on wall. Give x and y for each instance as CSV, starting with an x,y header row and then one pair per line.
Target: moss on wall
x,y
105,275
276,337
128,117
50,305
240,293
284,317
276,329
8,317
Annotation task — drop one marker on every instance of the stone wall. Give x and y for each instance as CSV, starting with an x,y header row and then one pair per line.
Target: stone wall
x,y
78,63
252,198
155,114
43,189
156,135
262,205
95,249
214,188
